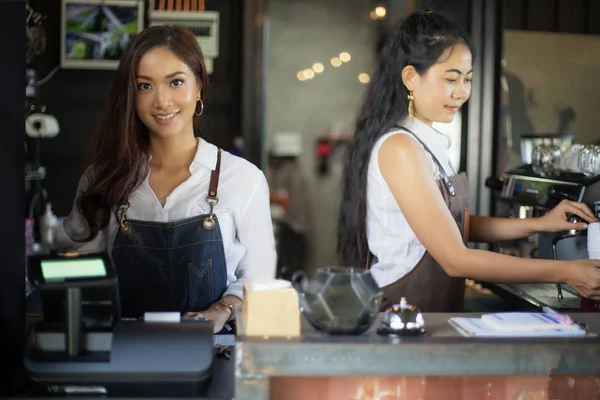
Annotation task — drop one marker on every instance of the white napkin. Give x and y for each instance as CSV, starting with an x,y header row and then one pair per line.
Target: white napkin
x,y
593,241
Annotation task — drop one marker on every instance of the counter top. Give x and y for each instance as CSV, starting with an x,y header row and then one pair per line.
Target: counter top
x,y
442,352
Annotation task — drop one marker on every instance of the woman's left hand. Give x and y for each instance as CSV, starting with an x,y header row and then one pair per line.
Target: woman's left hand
x,y
217,313
557,219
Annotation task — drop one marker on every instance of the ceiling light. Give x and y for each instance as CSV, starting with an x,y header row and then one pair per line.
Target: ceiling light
x,y
378,13
364,78
318,67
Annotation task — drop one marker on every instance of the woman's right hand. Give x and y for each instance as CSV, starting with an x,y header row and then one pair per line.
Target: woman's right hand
x,y
584,277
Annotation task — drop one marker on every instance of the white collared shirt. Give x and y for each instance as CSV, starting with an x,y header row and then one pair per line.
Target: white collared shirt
x,y
396,248
243,211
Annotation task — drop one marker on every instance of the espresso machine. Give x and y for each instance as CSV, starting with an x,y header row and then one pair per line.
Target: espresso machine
x,y
528,193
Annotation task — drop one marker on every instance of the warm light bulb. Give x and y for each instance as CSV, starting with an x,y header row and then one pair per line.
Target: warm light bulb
x,y
380,11
301,76
318,67
336,62
364,78
345,56
309,73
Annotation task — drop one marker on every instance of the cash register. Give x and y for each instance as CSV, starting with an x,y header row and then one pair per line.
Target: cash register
x,y
82,346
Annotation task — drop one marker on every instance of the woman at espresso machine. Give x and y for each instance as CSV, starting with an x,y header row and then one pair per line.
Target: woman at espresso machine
x,y
405,211
185,223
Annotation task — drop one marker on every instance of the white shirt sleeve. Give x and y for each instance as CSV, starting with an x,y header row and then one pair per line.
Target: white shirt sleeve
x,y
77,228
255,232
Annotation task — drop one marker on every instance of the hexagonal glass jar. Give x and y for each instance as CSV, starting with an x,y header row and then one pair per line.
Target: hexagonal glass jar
x,y
340,300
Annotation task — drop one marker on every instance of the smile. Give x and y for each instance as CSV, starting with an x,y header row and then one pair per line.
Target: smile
x,y
165,117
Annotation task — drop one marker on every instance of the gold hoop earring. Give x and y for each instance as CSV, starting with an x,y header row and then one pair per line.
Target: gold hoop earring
x,y
411,104
201,108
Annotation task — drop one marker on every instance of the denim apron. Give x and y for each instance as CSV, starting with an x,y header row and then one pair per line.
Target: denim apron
x,y
172,266
427,286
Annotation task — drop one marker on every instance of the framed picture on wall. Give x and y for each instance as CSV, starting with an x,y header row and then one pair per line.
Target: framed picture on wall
x,y
94,33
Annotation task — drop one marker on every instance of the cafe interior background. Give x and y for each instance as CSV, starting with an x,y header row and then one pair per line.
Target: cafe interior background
x,y
287,77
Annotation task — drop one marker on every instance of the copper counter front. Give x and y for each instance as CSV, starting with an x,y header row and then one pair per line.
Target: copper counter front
x,y
440,366
562,387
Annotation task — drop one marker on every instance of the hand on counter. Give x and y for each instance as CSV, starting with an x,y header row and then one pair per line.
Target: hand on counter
x,y
584,276
218,313
557,219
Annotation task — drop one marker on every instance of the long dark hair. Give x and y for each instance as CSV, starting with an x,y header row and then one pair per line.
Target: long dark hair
x,y
420,41
118,154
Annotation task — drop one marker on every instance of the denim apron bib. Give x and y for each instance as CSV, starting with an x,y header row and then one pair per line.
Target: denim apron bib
x,y
173,266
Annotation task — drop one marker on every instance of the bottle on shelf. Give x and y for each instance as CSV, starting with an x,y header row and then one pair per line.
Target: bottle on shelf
x,y
48,222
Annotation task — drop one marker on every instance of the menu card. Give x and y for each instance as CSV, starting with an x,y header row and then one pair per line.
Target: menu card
x,y
518,324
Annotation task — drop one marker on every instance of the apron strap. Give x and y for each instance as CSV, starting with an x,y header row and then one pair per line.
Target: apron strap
x,y
214,180
212,198
445,178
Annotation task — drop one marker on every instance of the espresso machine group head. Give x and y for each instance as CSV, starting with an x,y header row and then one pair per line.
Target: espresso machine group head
x,y
541,192
524,186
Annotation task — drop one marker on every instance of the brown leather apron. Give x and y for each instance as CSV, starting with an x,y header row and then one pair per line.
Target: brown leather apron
x,y
427,286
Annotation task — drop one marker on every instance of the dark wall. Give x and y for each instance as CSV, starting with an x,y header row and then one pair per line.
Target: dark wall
x,y
458,10
12,243
77,98
569,16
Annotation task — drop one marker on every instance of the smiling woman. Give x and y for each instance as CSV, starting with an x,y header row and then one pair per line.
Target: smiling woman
x,y
405,211
167,101
184,222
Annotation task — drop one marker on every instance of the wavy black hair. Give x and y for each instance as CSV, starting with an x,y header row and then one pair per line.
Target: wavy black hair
x,y
420,40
